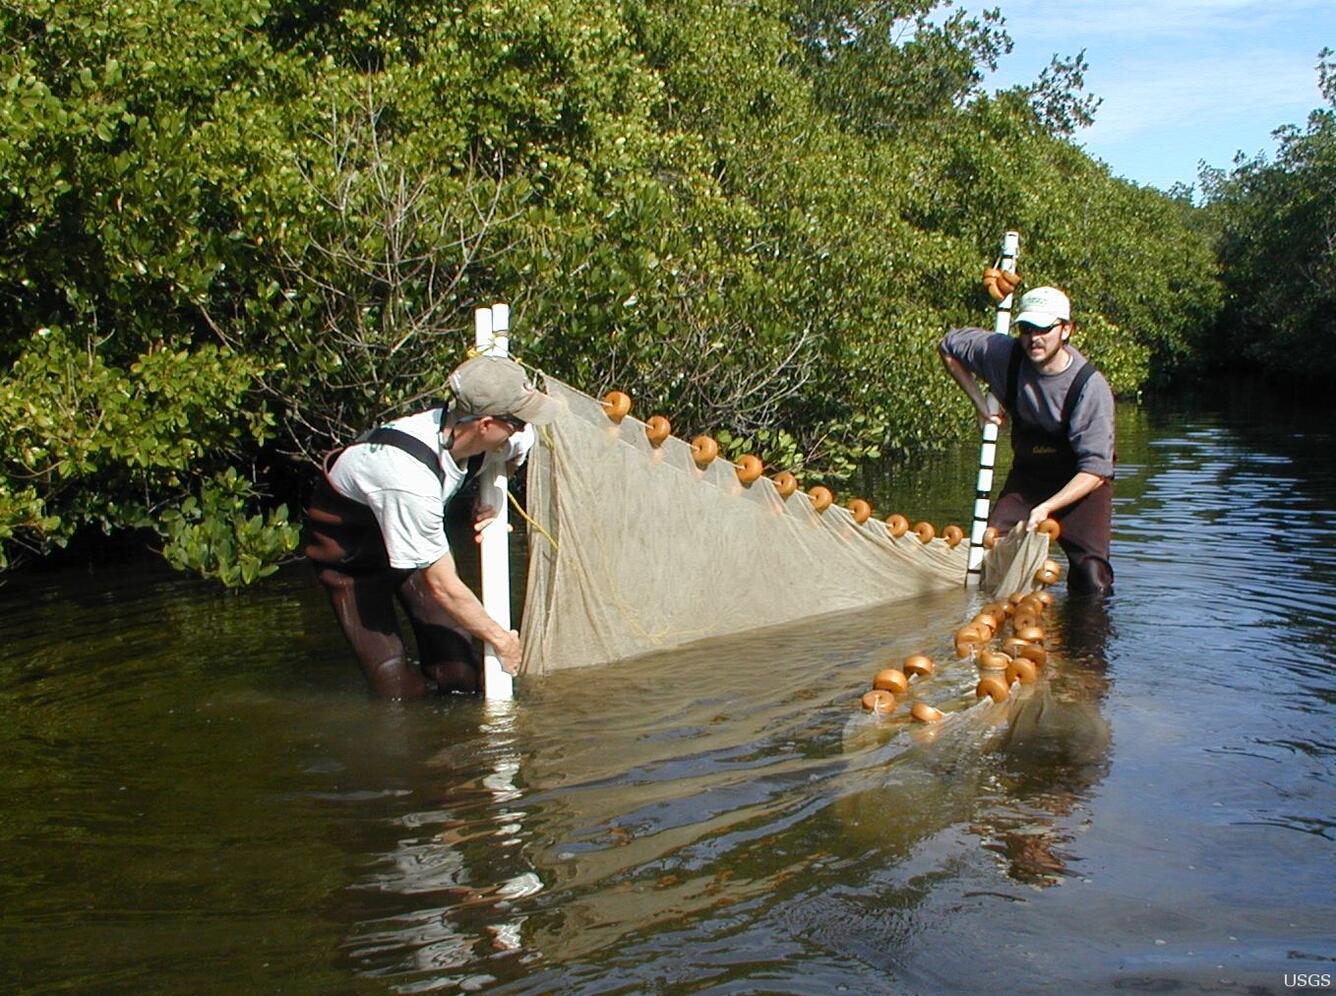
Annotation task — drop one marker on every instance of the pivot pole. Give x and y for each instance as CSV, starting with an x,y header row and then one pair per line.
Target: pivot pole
x,y
983,488
491,327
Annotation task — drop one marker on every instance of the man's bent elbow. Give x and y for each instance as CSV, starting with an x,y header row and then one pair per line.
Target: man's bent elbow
x,y
441,580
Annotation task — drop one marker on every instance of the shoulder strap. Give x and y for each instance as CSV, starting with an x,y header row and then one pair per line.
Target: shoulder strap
x,y
1074,392
1013,379
414,447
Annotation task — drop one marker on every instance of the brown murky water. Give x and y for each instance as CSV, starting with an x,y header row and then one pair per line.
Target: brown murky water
x,y
198,795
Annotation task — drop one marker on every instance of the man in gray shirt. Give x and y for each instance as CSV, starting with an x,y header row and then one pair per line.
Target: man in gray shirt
x,y
1061,412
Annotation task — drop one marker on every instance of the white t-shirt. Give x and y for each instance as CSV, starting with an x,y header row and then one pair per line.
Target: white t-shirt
x,y
404,495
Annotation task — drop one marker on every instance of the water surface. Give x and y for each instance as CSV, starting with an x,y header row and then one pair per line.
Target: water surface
x,y
199,796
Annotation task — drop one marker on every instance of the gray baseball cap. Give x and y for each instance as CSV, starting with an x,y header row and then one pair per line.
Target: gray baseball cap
x,y
494,385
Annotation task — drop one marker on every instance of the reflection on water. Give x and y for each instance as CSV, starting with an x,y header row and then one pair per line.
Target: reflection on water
x,y
196,788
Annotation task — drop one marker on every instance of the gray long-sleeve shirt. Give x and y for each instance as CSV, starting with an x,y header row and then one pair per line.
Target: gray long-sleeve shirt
x,y
1040,396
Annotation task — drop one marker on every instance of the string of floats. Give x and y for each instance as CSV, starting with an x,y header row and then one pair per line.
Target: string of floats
x,y
1020,658
705,450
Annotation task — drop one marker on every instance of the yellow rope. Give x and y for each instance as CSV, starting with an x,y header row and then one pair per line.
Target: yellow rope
x,y
533,523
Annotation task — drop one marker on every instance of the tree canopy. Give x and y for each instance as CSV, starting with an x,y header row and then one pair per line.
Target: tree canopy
x,y
237,232
1274,224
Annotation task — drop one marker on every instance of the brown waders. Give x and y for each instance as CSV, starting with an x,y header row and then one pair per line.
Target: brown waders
x,y
1043,462
343,541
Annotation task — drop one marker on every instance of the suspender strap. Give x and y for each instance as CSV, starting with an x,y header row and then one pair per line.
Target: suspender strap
x,y
1074,392
414,447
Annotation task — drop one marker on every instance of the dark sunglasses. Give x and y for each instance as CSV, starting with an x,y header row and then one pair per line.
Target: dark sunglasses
x,y
509,421
1025,328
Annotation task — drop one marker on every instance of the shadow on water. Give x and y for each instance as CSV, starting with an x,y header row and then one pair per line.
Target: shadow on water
x,y
197,793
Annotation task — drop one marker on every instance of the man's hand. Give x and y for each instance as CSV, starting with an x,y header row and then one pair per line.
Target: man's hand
x,y
991,418
482,518
1038,514
510,652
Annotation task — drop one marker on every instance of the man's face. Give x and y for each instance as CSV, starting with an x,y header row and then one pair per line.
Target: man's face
x,y
1041,344
483,434
494,431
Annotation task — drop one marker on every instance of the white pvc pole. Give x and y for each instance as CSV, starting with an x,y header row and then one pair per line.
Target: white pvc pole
x,y
491,327
983,488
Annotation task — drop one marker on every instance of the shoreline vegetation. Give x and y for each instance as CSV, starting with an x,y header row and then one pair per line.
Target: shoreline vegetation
x,y
237,232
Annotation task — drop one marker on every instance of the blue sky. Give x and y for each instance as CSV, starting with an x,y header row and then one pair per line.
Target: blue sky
x,y
1182,80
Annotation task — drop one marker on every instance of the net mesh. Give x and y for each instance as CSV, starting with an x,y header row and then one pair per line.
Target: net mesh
x,y
634,549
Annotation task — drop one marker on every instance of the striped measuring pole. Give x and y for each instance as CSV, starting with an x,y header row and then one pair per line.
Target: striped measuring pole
x,y
983,488
491,334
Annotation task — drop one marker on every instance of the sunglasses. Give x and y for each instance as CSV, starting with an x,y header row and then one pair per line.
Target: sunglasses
x,y
1025,328
509,421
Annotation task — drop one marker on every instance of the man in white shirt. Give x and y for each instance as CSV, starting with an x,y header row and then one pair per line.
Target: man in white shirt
x,y
375,530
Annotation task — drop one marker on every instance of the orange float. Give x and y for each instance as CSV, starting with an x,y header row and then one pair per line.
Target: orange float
x,y
953,535
703,451
1050,528
821,498
1046,597
1023,619
1012,645
924,531
617,405
860,510
991,660
897,525
1049,572
657,429
994,688
1035,654
970,633
785,483
990,537
990,283
1032,605
1023,671
925,713
1031,634
987,623
879,701
749,468
892,680
918,665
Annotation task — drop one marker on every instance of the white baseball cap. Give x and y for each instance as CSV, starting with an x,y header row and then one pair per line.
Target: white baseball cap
x,y
1044,306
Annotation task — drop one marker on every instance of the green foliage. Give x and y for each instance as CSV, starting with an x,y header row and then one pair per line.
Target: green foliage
x,y
1275,225
253,227
85,443
215,537
1123,359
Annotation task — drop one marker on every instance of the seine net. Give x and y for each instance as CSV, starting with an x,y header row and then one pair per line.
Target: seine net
x,y
635,549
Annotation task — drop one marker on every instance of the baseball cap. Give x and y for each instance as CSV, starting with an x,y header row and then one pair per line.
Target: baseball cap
x,y
494,385
1043,306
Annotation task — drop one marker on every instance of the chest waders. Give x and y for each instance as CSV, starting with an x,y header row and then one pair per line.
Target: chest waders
x,y
1042,463
343,541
